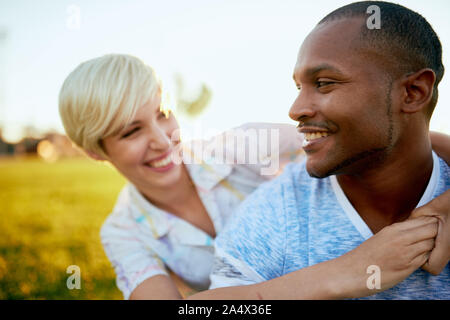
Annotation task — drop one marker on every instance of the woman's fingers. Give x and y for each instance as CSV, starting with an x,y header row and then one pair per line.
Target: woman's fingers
x,y
434,266
414,230
414,223
420,260
428,230
439,206
440,255
421,247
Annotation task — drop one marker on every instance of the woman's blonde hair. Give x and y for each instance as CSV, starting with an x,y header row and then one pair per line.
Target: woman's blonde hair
x,y
101,96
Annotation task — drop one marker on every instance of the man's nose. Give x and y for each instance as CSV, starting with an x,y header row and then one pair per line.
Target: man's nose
x,y
159,140
303,107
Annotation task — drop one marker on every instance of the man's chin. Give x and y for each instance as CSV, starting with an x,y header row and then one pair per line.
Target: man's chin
x,y
316,171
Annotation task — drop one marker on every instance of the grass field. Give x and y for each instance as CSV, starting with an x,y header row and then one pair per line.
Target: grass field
x,y
50,218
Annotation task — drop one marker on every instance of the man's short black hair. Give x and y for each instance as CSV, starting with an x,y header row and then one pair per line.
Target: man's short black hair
x,y
404,35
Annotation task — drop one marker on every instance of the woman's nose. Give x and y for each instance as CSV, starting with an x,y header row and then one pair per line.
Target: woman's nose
x,y
160,140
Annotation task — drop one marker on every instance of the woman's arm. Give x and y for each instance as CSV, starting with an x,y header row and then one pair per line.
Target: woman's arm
x,y
441,145
440,255
159,287
139,271
398,250
261,147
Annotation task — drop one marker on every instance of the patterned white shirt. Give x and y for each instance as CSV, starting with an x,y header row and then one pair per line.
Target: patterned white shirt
x,y
142,240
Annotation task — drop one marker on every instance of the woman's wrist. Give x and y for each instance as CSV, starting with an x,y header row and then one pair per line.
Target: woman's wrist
x,y
348,278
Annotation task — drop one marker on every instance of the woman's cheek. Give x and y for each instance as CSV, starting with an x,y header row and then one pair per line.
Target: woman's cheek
x,y
135,150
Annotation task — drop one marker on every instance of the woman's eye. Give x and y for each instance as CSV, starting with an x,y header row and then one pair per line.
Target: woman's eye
x,y
164,114
129,133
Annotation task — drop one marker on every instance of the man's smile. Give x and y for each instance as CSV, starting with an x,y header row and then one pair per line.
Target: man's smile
x,y
314,140
313,136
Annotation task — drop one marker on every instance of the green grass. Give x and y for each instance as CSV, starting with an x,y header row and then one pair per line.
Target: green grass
x,y
50,218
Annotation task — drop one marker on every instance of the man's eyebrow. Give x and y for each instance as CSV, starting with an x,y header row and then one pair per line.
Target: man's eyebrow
x,y
323,67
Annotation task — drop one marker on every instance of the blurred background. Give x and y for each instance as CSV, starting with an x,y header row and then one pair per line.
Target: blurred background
x,y
225,62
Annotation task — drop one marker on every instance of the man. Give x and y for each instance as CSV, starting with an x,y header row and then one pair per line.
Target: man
x,y
364,105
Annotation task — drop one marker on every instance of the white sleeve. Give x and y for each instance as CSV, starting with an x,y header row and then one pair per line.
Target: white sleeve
x,y
251,247
132,260
228,271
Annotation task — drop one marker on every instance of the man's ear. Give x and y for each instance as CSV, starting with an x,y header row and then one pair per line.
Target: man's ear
x,y
418,90
95,156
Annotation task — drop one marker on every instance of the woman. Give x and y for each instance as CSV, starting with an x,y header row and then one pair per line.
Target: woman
x,y
168,214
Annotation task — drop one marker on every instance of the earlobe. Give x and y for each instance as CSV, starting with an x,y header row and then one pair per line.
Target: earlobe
x,y
418,90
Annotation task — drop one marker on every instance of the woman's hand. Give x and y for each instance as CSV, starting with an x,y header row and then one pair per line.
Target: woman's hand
x,y
440,208
397,250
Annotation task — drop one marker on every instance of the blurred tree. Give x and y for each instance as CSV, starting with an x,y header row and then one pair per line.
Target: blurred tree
x,y
187,105
30,131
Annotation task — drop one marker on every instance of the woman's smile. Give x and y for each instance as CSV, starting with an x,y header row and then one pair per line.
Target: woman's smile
x,y
161,164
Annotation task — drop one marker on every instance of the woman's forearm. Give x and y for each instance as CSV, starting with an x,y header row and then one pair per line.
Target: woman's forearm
x,y
396,251
332,279
159,287
441,145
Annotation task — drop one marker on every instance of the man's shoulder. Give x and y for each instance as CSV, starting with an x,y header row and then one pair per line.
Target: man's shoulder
x,y
274,201
294,175
260,217
445,171
444,178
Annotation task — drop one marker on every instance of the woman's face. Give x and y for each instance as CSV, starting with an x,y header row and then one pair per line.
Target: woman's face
x,y
142,151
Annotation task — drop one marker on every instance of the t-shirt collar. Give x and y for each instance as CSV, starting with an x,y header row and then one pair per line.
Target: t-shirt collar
x,y
356,219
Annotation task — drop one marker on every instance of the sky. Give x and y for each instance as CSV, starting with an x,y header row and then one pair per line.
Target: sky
x,y
244,51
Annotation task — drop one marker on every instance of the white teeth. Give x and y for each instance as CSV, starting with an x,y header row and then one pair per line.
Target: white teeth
x,y
161,163
315,135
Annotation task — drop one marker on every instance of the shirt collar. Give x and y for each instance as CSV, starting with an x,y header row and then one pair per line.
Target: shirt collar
x,y
163,223
145,210
205,173
354,216
432,183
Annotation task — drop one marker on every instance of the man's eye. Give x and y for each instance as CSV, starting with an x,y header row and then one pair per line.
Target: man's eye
x,y
129,133
321,84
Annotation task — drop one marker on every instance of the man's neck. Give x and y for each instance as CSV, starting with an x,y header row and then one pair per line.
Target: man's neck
x,y
388,193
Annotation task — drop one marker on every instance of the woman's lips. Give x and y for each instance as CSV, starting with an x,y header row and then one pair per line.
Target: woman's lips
x,y
161,169
161,164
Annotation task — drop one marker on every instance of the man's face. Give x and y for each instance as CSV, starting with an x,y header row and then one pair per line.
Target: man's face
x,y
343,106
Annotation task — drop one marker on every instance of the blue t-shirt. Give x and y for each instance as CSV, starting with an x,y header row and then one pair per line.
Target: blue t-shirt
x,y
296,221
